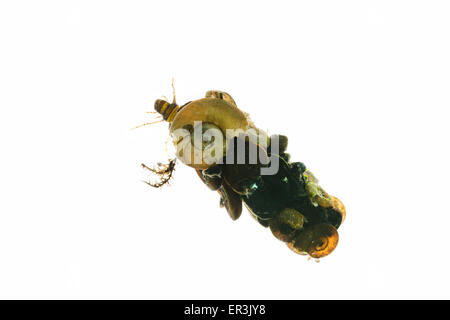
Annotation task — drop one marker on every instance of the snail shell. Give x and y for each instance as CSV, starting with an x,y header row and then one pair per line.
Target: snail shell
x,y
286,224
318,241
338,206
212,117
315,192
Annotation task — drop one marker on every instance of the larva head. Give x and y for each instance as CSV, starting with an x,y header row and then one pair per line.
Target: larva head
x,y
166,109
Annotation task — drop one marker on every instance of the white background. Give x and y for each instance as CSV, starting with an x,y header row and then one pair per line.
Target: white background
x,y
361,88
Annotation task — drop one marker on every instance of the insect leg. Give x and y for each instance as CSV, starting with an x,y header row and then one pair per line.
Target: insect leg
x,y
148,123
173,89
164,173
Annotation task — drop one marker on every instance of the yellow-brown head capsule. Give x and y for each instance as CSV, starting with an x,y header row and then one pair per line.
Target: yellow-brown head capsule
x,y
166,109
